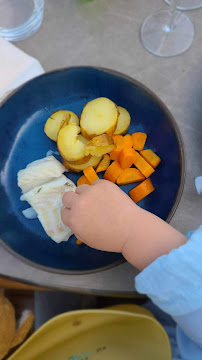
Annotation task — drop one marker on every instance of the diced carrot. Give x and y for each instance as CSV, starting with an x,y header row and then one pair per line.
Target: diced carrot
x,y
104,163
150,156
79,242
142,165
82,180
139,140
113,171
126,157
121,143
129,176
118,139
90,174
128,142
114,154
141,191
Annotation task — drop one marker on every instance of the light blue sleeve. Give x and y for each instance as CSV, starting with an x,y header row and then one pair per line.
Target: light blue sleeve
x,y
174,284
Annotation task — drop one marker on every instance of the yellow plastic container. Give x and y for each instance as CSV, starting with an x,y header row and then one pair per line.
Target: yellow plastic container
x,y
124,332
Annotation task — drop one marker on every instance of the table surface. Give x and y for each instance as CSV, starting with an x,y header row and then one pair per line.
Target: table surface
x,y
106,33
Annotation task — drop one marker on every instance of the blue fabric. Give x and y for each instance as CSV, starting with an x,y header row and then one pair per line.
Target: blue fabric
x,y
169,325
188,349
191,324
174,284
174,281
198,184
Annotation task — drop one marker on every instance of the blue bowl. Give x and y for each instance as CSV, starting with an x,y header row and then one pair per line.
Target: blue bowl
x,y
22,140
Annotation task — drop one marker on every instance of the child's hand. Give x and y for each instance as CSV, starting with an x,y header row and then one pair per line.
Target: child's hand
x,y
100,215
105,218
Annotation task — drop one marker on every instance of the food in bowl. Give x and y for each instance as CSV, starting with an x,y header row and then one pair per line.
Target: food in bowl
x,y
39,172
88,145
43,185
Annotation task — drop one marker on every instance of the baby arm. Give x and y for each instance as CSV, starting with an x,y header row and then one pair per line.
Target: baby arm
x,y
105,218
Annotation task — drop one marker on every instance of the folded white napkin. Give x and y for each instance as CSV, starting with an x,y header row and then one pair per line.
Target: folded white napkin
x,y
16,67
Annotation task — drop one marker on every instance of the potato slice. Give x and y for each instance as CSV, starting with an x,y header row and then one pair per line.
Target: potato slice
x,y
103,164
94,161
99,116
55,121
70,145
100,145
84,160
65,121
123,121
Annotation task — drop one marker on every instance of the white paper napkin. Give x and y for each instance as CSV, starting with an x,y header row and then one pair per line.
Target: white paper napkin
x,y
16,67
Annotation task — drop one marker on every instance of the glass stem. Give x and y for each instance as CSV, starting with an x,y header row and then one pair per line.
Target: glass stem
x,y
173,9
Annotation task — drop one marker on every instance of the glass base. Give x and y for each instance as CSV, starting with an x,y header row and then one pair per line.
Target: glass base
x,y
25,29
187,4
159,39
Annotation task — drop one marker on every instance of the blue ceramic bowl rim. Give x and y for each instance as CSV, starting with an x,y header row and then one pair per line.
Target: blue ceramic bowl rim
x,y
182,164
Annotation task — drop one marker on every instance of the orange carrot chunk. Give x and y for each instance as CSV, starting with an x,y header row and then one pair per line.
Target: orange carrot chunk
x,y
129,176
139,140
141,191
150,156
90,174
142,165
126,157
104,163
128,142
79,242
113,171
82,180
121,143
118,139
114,154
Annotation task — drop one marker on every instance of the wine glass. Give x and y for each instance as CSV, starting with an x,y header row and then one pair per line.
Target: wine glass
x,y
188,4
167,32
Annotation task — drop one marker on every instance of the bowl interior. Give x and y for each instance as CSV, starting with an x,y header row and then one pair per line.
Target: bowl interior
x,y
23,140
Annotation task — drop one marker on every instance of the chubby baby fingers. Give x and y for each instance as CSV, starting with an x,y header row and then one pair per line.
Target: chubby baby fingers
x,y
69,198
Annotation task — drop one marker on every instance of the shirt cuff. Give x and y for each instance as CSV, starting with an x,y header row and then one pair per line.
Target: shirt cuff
x,y
173,281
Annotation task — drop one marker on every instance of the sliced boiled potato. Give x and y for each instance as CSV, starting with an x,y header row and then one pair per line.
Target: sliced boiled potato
x,y
65,121
58,118
70,144
123,121
99,116
103,164
84,160
94,161
100,145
